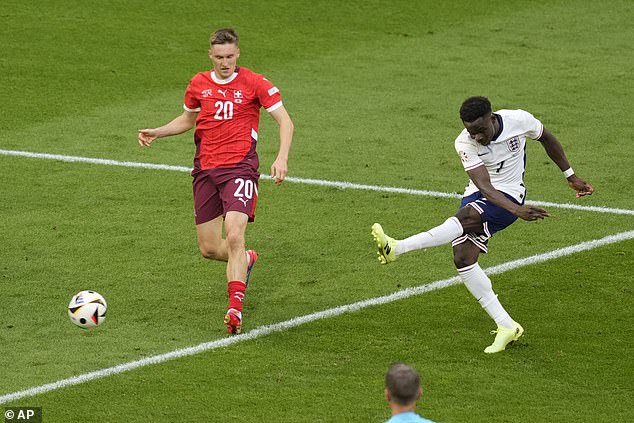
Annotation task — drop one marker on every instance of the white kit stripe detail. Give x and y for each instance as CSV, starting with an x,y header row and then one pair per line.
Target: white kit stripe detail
x,y
302,320
471,238
541,132
196,110
476,206
274,107
481,163
220,81
459,240
467,268
306,181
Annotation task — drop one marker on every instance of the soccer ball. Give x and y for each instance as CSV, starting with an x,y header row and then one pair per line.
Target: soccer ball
x,y
87,309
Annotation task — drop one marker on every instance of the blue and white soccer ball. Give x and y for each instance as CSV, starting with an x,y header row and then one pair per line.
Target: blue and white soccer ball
x,y
87,309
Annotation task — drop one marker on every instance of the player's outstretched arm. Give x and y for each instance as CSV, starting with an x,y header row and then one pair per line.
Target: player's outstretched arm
x,y
279,168
182,123
480,177
555,151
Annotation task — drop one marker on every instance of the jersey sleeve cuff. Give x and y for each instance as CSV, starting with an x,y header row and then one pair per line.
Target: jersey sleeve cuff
x,y
196,110
473,166
274,107
541,131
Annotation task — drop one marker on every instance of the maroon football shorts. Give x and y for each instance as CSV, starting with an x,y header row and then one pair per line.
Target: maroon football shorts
x,y
218,191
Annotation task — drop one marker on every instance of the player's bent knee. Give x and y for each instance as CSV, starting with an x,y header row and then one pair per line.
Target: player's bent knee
x,y
235,228
235,239
210,255
210,252
464,256
462,262
469,219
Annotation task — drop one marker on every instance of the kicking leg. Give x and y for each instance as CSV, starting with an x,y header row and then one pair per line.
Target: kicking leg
x,y
389,248
466,220
440,235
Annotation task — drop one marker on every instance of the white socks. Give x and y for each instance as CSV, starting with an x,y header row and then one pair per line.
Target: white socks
x,y
439,235
479,284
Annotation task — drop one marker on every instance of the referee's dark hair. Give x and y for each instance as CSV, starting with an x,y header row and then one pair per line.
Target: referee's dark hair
x,y
403,384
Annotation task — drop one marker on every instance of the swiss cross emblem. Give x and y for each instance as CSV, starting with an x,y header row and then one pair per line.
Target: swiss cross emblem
x,y
513,144
237,94
207,93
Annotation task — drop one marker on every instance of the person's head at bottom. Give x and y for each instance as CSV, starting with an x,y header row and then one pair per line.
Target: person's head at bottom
x,y
402,388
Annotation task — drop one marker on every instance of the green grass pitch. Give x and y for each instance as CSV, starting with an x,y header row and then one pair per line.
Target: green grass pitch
x,y
373,88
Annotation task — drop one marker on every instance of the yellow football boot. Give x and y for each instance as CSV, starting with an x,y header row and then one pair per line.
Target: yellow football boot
x,y
504,337
386,246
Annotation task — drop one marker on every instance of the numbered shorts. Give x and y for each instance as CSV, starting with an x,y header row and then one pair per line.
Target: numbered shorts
x,y
494,219
218,191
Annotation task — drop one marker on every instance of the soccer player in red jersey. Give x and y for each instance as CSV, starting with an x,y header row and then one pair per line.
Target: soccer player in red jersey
x,y
224,106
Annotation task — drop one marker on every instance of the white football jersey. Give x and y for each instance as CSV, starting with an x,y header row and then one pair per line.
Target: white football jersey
x,y
505,157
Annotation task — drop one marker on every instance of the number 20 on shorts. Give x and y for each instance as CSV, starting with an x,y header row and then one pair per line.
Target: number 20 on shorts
x,y
245,188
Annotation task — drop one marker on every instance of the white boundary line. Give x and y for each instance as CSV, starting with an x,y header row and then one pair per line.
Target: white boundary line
x,y
301,320
320,182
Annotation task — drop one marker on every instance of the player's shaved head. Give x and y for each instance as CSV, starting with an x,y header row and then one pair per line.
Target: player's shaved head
x,y
403,384
474,108
224,36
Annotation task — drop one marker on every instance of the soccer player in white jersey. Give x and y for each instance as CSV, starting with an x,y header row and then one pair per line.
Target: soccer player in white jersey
x,y
492,150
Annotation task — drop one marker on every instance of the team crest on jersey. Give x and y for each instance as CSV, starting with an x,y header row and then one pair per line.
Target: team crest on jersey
x,y
463,156
207,93
237,95
513,144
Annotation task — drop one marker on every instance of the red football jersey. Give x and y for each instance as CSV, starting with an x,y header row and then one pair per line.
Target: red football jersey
x,y
228,115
